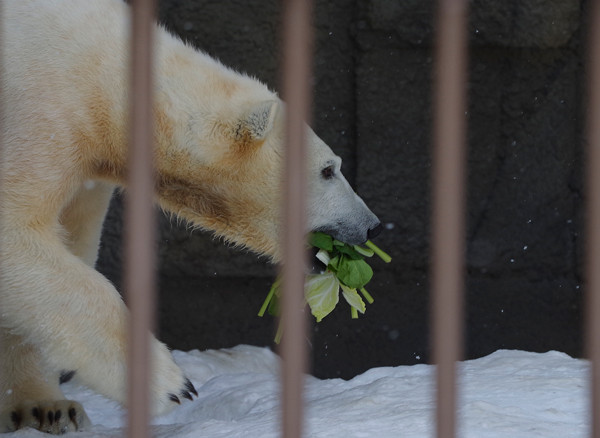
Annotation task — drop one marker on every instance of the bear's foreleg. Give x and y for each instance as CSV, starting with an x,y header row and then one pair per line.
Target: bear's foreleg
x,y
83,217
75,318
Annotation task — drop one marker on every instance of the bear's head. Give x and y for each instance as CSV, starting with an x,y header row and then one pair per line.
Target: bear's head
x,y
227,177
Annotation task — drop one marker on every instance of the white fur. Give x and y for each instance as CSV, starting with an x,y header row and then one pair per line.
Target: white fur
x,y
218,160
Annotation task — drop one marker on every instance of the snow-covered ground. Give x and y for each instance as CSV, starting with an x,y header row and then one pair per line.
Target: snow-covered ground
x,y
508,394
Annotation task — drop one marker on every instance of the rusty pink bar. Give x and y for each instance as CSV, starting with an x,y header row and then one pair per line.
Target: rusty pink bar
x,y
297,38
448,204
1,107
593,220
139,220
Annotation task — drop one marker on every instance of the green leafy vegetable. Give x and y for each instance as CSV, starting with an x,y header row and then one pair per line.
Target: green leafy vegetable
x,y
353,298
345,269
353,273
321,240
322,294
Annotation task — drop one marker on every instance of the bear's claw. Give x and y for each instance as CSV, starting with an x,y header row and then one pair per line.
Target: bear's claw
x,y
46,416
185,393
190,387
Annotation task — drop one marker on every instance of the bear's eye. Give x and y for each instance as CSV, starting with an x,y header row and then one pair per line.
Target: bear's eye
x,y
328,172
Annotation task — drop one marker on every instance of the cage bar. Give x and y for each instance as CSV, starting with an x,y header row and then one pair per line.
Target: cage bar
x,y
140,221
592,270
448,202
297,37
1,121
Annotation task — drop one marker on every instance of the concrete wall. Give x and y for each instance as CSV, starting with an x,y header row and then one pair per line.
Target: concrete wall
x,y
372,105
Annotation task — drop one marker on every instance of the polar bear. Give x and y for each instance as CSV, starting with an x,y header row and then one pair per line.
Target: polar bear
x,y
218,165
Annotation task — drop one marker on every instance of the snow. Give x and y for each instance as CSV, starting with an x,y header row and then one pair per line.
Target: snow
x,y
506,394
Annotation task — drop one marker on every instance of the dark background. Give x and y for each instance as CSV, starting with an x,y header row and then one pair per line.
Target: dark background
x,y
372,105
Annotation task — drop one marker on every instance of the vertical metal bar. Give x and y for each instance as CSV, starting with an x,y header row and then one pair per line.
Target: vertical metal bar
x,y
448,199
296,91
139,220
1,127
593,219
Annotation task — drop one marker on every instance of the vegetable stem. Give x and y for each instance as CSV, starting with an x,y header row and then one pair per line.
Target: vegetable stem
x,y
366,252
353,312
279,333
367,295
265,304
383,255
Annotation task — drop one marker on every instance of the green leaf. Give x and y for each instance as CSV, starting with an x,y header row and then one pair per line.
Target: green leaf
x,y
353,298
321,240
346,269
354,273
322,294
334,263
350,252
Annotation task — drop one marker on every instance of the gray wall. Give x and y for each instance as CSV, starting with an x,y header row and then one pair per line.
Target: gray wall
x,y
372,105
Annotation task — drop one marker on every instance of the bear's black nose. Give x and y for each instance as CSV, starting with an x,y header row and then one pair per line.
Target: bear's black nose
x,y
374,232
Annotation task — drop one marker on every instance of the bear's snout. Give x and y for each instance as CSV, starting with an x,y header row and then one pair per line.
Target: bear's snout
x,y
374,232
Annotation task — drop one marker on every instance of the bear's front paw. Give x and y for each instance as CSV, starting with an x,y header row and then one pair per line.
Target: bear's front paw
x,y
186,392
50,416
169,385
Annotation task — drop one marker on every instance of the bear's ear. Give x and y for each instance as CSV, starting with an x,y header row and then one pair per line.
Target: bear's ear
x,y
258,121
